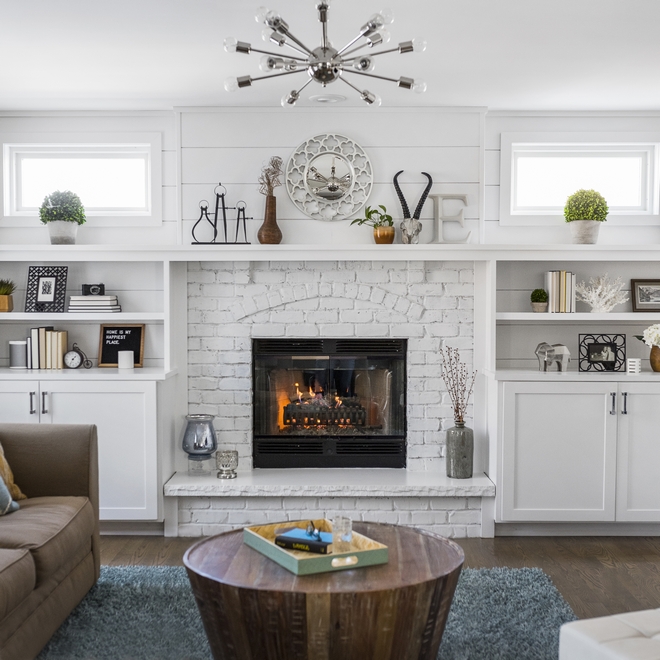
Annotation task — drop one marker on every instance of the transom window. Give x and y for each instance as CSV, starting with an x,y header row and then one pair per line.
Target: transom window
x,y
118,182
538,175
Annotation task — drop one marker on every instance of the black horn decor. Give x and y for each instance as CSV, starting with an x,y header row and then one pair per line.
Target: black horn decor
x,y
411,226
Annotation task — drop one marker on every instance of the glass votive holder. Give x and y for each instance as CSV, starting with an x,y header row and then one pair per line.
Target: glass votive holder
x,y
342,534
226,461
200,466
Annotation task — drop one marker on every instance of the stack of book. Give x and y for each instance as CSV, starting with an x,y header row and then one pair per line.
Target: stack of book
x,y
46,348
560,285
94,304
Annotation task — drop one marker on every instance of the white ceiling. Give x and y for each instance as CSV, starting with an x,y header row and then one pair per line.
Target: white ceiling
x,y
502,54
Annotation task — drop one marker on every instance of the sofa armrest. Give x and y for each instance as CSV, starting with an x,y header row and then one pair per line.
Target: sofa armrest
x,y
55,459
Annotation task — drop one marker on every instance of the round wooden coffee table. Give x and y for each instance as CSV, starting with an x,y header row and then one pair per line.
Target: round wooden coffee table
x,y
253,609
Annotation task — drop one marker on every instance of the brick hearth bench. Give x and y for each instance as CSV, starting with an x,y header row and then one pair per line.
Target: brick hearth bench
x,y
204,506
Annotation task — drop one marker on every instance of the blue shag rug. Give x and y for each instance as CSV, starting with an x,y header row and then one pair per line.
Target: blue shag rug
x,y
145,613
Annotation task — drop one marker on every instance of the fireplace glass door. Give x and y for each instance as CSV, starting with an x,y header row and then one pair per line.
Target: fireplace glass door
x,y
340,406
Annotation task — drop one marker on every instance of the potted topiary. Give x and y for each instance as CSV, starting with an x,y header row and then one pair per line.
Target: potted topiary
x,y
381,222
585,210
63,212
539,300
7,287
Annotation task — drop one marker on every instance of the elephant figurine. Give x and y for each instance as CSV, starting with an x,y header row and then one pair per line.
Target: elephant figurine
x,y
552,354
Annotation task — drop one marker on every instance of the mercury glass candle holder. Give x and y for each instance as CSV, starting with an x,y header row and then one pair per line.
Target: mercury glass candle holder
x,y
226,461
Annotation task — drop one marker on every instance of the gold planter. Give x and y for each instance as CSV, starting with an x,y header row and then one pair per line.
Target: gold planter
x,y
383,235
6,303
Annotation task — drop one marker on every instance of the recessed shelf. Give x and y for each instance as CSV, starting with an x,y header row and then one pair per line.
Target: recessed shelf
x,y
110,373
578,317
99,317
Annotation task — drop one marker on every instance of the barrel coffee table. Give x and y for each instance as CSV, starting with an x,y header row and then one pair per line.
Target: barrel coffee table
x,y
253,609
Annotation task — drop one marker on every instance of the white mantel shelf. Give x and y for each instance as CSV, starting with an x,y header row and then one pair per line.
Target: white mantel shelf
x,y
581,376
427,252
330,483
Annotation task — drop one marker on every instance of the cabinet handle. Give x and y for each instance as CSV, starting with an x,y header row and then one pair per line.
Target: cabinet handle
x,y
33,410
613,409
44,410
624,411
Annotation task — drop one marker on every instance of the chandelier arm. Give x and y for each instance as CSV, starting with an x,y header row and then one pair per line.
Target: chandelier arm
x,y
364,45
305,85
288,34
268,52
371,75
357,89
380,52
351,42
278,75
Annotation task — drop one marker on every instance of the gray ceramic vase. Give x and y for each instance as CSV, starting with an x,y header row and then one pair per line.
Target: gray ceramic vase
x,y
460,450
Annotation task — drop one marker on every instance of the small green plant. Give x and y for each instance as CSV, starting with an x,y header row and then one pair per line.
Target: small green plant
x,y
7,287
64,206
586,205
375,218
539,296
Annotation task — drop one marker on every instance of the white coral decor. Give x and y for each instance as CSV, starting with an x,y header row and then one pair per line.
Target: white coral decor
x,y
602,294
652,335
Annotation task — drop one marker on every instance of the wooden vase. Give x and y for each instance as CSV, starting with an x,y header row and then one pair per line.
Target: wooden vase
x,y
655,358
384,235
269,233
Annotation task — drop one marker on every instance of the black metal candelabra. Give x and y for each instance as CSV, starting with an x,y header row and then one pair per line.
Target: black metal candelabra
x,y
220,206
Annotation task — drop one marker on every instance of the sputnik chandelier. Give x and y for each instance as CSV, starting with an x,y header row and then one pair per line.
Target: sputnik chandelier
x,y
325,64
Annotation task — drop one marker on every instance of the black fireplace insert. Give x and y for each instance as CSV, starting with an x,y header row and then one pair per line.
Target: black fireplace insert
x,y
329,403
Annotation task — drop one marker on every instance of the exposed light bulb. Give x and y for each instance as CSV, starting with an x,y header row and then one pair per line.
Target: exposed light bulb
x,y
364,63
385,36
387,15
231,84
270,63
419,86
370,98
289,100
271,37
230,44
419,45
260,16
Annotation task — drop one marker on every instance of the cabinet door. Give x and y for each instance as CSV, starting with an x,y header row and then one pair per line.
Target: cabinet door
x,y
558,452
125,414
19,402
638,453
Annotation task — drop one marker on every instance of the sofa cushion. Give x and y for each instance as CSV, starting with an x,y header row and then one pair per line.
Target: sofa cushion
x,y
17,579
7,505
56,530
8,477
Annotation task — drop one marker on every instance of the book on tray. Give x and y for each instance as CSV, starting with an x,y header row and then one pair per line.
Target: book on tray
x,y
298,539
94,304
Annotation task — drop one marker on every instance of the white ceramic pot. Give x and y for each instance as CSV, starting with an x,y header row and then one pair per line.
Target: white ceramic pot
x,y
540,307
62,232
585,231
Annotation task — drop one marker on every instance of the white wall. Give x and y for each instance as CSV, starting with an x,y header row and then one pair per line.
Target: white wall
x,y
497,123
232,145
147,122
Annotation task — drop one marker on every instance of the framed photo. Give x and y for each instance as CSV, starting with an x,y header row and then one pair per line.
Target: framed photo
x,y
115,338
46,289
645,295
602,352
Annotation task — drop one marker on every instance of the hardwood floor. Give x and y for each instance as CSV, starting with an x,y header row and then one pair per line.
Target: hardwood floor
x,y
596,575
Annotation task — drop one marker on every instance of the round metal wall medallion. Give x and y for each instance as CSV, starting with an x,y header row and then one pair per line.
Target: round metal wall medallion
x,y
329,177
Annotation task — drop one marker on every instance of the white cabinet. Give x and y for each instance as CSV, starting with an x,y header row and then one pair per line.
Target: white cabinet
x,y
558,452
125,414
580,451
638,452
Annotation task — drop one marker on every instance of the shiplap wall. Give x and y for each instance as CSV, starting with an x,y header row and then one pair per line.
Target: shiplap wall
x,y
161,122
500,122
232,145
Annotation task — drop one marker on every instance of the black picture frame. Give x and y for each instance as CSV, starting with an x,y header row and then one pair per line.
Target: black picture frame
x,y
602,352
46,289
645,295
115,338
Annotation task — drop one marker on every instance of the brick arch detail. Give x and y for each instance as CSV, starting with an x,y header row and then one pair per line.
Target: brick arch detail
x,y
290,294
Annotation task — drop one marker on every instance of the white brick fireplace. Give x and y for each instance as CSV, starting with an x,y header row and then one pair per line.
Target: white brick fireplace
x,y
429,303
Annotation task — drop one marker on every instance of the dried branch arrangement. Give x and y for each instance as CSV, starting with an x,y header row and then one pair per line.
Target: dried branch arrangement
x,y
270,176
459,384
602,294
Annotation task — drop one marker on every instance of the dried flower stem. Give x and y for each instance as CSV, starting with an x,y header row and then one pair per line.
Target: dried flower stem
x,y
270,176
455,375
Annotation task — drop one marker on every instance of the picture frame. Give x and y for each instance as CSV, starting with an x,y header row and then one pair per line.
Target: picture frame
x,y
121,337
645,295
46,289
602,352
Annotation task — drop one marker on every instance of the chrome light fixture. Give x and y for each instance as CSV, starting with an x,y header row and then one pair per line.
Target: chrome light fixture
x,y
325,64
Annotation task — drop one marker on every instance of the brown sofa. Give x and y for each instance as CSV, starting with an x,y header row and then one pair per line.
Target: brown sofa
x,y
49,548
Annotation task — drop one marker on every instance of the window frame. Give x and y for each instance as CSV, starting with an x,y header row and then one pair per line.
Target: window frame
x,y
15,147
580,143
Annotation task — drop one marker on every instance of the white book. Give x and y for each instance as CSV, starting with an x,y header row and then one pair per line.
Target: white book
x,y
28,347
